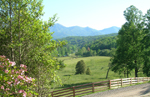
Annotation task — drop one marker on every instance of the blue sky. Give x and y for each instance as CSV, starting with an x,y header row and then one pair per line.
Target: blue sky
x,y
97,14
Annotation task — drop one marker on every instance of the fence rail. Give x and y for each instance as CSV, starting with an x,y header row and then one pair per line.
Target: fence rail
x,y
97,86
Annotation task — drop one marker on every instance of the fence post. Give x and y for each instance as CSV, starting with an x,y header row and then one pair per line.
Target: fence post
x,y
73,91
130,81
137,80
121,82
109,84
52,94
93,87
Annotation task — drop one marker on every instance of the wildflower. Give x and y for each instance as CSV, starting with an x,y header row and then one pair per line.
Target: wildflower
x,y
20,77
7,89
9,82
24,94
24,66
12,63
6,71
2,87
21,91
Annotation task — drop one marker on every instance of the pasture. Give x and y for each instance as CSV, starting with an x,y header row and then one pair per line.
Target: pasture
x,y
98,66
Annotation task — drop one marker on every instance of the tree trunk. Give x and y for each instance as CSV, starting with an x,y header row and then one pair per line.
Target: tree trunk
x,y
10,31
107,73
19,37
124,73
136,69
127,73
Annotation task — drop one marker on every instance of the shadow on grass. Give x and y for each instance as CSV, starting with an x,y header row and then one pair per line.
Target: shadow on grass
x,y
103,78
67,75
71,85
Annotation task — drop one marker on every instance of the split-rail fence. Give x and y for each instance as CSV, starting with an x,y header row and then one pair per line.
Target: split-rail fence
x,y
97,86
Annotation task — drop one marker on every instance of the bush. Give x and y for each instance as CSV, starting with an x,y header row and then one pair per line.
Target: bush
x,y
13,81
88,72
80,67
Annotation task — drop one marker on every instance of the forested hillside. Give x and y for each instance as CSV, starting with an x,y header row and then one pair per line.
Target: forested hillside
x,y
101,45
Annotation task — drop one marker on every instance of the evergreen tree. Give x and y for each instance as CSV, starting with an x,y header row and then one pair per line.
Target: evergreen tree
x,y
88,72
80,67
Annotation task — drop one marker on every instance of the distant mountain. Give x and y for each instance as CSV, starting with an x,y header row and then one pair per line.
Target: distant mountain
x,y
61,31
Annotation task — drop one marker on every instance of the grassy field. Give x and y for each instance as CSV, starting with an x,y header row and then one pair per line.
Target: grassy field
x,y
97,64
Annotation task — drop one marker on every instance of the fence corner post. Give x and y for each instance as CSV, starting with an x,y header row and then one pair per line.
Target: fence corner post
x,y
93,87
73,91
109,84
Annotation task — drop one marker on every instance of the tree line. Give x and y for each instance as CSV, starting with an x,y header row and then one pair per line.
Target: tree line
x,y
133,47
102,45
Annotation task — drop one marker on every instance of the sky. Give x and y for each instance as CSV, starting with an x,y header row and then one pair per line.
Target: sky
x,y
96,14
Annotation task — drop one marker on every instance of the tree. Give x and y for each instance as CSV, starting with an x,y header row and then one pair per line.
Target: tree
x,y
25,39
129,45
80,67
88,72
146,46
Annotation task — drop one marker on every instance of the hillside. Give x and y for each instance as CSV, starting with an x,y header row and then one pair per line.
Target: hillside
x,y
80,41
61,31
100,45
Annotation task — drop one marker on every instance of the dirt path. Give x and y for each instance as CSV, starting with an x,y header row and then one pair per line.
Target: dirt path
x,y
142,90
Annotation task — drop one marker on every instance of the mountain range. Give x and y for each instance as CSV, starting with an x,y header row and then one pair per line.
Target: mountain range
x,y
61,31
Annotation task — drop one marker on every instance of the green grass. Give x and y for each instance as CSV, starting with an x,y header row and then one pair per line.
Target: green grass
x,y
98,66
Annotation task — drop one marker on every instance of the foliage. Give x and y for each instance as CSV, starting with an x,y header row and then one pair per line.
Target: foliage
x,y
129,44
79,45
146,46
88,72
13,81
26,39
80,67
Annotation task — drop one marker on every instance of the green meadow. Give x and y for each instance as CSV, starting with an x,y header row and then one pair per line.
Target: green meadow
x,y
98,66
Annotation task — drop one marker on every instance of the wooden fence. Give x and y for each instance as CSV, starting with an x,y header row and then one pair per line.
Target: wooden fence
x,y
97,86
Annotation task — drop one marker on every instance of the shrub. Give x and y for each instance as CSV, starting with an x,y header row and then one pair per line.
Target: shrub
x,y
80,67
88,72
13,81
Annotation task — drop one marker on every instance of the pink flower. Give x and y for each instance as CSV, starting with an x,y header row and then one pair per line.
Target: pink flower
x,y
22,72
21,91
12,71
2,87
9,82
16,82
23,66
1,66
20,77
17,72
24,94
12,63
3,56
7,89
6,71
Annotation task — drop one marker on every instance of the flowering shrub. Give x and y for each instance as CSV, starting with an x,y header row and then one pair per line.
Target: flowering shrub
x,y
13,81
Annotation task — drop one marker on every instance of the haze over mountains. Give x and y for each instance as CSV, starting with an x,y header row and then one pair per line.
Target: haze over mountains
x,y
61,31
